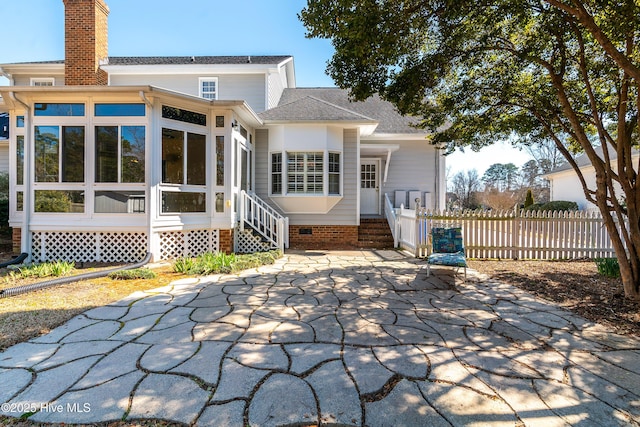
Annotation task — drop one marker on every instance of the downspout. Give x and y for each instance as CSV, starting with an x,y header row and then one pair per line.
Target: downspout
x,y
151,176
438,180
25,240
4,293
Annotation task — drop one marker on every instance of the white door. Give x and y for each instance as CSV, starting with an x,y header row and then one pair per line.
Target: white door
x,y
369,187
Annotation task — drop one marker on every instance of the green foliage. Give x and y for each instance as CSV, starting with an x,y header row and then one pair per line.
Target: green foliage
x,y
212,263
528,200
608,267
47,269
135,273
479,72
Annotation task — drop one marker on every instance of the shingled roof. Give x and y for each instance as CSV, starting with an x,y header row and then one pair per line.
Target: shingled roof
x,y
389,119
206,60
311,109
181,60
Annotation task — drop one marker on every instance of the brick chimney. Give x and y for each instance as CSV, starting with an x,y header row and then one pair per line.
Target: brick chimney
x,y
86,42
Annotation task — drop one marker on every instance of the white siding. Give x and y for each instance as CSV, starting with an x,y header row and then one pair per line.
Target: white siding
x,y
277,83
249,87
4,156
567,187
412,168
261,153
25,80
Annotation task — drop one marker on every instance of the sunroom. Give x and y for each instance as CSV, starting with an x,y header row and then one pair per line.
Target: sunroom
x,y
111,173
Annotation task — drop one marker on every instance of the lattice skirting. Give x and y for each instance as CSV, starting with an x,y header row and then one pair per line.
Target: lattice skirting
x,y
177,244
247,243
88,246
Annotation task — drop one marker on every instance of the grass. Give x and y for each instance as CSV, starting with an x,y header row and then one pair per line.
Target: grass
x,y
29,315
608,267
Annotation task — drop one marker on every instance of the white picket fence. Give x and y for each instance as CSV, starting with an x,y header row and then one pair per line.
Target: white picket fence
x,y
510,234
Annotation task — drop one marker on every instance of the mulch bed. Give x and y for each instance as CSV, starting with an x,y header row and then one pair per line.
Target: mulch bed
x,y
574,285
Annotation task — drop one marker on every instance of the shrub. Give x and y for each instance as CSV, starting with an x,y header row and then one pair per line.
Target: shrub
x,y
47,269
528,200
211,263
135,273
608,267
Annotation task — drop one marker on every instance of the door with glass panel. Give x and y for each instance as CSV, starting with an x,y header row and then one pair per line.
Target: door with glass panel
x,y
369,187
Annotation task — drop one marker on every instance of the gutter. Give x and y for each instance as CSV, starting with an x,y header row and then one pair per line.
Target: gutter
x,y
69,279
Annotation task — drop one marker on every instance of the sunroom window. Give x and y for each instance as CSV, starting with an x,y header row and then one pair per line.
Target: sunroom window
x,y
120,153
59,153
183,157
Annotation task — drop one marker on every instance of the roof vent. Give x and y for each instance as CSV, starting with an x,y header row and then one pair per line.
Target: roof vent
x,y
193,59
249,59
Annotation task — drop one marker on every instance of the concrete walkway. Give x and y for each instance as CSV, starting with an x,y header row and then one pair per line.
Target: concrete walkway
x,y
354,338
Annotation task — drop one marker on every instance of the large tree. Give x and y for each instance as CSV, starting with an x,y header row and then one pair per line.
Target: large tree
x,y
478,71
466,185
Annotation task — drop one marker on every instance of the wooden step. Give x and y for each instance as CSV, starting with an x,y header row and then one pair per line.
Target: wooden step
x,y
374,233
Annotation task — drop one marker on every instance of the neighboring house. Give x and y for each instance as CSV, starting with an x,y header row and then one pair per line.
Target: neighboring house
x,y
112,157
565,185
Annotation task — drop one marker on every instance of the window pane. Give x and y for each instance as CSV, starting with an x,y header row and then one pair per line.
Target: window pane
x,y
208,89
276,173
196,159
59,110
334,173
112,110
120,202
133,153
106,153
73,154
59,201
46,153
20,160
219,121
184,115
172,156
173,202
220,160
220,202
20,121
19,201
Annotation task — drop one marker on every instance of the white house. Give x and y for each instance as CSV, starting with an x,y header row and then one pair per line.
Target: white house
x,y
112,157
565,184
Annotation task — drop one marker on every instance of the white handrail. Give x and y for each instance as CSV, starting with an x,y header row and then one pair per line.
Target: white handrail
x,y
392,219
264,219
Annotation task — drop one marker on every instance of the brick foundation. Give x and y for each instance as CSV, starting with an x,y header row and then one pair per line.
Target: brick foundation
x,y
226,241
16,240
323,236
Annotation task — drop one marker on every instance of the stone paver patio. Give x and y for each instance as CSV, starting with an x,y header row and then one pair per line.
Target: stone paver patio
x,y
358,338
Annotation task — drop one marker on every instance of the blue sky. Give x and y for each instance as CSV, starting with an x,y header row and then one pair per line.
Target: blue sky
x,y
34,31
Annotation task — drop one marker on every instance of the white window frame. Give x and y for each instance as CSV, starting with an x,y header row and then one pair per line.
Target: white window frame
x,y
205,94
42,81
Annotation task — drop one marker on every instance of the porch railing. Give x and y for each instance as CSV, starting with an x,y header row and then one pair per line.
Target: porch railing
x,y
392,219
265,220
